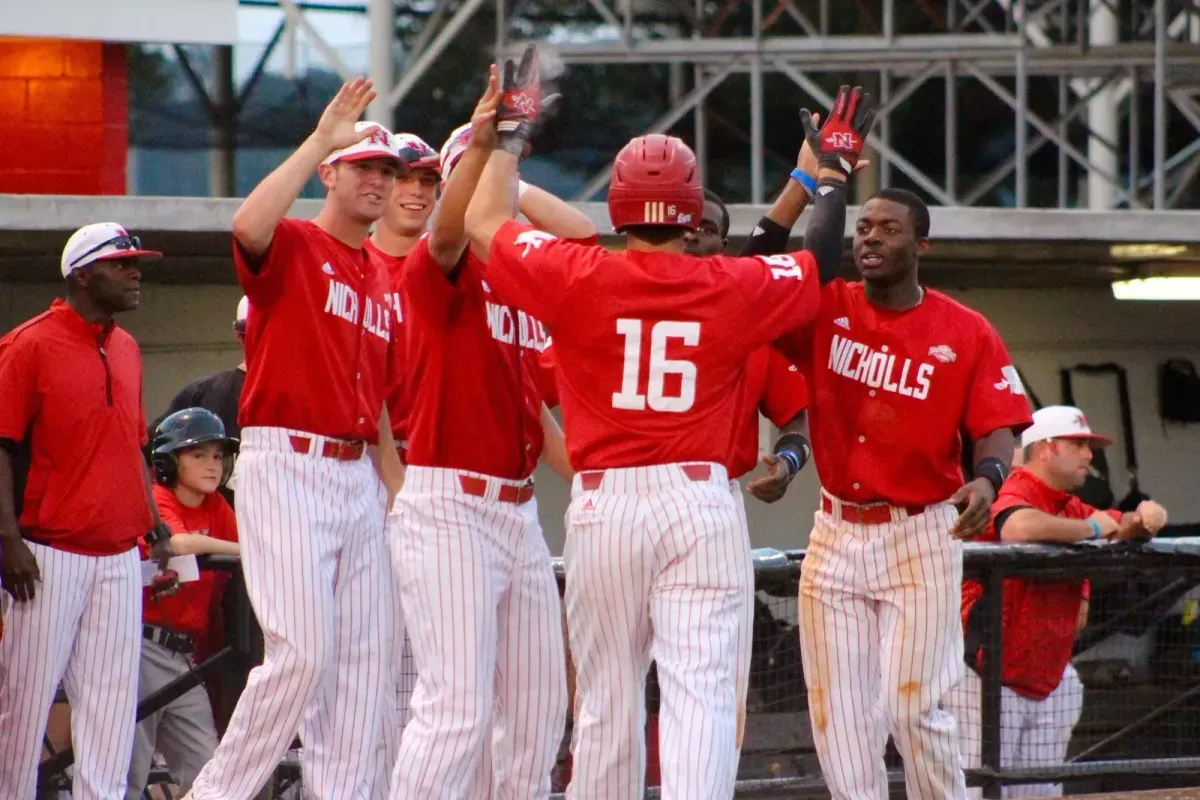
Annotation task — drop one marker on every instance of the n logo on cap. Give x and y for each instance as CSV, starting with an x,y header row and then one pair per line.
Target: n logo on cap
x,y
379,136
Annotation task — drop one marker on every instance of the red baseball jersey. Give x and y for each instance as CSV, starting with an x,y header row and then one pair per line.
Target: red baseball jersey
x,y
651,346
547,380
189,610
891,391
317,342
394,389
1040,615
472,389
773,387
71,393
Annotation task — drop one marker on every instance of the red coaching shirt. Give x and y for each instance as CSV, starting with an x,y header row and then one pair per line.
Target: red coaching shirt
x,y
650,345
1040,615
473,397
189,609
774,387
394,390
890,391
317,342
71,392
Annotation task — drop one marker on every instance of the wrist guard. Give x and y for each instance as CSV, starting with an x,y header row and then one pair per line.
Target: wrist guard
x,y
795,451
994,470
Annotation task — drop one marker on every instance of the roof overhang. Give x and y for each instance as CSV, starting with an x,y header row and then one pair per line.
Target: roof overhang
x,y
971,247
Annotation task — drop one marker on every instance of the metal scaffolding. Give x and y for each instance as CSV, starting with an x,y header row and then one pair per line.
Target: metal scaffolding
x,y
1104,55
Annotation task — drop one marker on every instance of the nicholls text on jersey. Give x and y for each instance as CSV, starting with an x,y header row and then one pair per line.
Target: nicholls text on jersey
x,y
342,302
879,369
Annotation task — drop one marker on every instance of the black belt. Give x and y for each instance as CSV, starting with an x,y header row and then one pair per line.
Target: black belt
x,y
181,643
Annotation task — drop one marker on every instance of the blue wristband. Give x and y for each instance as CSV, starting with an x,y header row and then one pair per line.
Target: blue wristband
x,y
792,460
1095,529
805,180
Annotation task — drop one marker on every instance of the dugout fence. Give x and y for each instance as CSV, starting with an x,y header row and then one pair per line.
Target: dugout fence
x,y
1138,661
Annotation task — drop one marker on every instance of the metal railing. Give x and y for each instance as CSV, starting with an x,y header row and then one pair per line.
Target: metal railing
x,y
1155,737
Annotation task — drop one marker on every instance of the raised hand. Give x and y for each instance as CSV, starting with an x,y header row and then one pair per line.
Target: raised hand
x,y
807,162
521,103
337,126
839,142
483,118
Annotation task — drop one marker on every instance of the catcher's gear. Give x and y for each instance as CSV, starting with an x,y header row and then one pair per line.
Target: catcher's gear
x,y
520,103
456,144
655,181
416,154
839,142
184,429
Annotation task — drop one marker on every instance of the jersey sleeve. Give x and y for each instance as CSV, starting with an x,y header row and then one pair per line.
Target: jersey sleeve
x,y
546,379
18,387
533,269
785,394
425,288
262,278
996,397
782,293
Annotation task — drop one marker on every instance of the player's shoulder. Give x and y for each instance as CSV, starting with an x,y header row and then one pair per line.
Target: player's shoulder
x,y
28,333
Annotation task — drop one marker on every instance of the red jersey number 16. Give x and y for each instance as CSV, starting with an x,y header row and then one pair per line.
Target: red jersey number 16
x,y
629,398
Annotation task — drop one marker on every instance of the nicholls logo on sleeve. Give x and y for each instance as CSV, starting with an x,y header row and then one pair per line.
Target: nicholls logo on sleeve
x,y
533,240
879,369
1009,379
342,303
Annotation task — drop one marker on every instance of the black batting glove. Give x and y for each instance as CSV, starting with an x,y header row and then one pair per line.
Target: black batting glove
x,y
839,142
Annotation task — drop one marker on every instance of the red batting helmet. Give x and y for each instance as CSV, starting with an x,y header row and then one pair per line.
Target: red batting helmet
x,y
655,182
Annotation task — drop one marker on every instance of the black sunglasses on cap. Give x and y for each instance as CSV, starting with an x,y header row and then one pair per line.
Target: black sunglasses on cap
x,y
120,243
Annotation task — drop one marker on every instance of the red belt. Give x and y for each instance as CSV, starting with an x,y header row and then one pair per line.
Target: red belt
x,y
697,472
867,515
332,448
477,487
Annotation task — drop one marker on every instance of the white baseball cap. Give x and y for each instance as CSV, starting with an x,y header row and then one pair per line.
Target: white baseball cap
x,y
380,144
1061,422
101,241
453,149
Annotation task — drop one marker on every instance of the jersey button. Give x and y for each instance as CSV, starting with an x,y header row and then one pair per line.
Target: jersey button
x,y
862,439
856,486
361,420
871,393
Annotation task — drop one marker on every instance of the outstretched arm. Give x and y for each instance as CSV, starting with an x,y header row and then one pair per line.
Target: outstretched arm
x,y
255,220
548,213
770,235
448,238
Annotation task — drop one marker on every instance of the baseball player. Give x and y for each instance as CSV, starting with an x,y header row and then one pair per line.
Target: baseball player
x,y
74,501
1042,696
651,345
474,571
895,372
219,392
316,441
192,459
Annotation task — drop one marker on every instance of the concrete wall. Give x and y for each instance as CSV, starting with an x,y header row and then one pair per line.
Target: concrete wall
x,y
186,332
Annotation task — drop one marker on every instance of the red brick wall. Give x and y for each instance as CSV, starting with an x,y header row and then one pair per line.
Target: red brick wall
x,y
63,117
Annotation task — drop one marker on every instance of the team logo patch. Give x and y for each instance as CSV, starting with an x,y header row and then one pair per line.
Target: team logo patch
x,y
1010,380
533,240
943,353
842,322
326,268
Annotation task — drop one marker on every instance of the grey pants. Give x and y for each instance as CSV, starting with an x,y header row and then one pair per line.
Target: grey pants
x,y
184,731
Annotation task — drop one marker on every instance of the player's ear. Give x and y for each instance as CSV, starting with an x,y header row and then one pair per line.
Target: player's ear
x,y
922,245
326,173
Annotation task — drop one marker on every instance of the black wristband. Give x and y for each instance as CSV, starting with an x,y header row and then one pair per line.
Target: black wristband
x,y
994,470
157,534
768,238
797,447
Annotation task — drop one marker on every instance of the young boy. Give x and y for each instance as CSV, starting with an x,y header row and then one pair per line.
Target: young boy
x,y
192,459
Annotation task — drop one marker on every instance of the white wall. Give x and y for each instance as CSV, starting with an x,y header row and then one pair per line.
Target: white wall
x,y
185,332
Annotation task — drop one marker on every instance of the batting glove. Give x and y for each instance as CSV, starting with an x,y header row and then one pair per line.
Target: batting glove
x,y
839,143
521,104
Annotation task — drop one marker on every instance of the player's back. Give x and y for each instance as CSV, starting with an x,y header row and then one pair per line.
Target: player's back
x,y
652,346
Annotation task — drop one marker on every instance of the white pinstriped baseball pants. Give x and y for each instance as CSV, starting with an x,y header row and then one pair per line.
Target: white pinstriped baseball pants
x,y
881,641
82,627
1033,733
485,622
315,562
658,568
